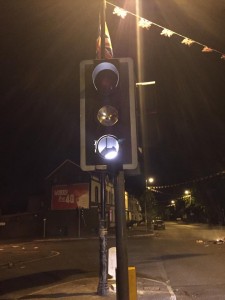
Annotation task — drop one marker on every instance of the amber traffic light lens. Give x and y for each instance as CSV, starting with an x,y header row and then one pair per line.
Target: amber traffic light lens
x,y
108,115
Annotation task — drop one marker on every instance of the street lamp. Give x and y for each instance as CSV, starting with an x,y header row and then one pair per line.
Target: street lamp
x,y
148,180
151,179
188,194
173,203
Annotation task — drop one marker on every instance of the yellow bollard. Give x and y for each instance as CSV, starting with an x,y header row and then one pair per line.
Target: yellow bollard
x,y
132,283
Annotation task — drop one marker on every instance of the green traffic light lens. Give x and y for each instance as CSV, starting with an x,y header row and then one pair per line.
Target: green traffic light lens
x,y
105,78
108,147
107,115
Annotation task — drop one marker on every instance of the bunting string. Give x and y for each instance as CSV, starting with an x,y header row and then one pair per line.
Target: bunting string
x,y
187,182
144,23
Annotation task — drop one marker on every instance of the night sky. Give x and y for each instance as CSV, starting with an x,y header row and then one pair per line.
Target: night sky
x,y
42,45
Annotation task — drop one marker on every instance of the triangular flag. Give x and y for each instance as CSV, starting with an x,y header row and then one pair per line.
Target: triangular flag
x,y
207,49
120,12
167,32
187,42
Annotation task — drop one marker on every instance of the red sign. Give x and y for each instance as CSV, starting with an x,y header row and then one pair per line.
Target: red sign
x,y
70,196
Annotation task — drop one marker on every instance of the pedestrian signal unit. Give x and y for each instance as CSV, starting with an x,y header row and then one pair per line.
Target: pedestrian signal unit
x,y
107,114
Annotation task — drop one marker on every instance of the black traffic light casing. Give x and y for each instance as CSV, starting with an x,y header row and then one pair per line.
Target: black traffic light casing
x,y
120,101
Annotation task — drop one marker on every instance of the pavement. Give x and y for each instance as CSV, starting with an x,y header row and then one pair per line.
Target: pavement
x,y
86,288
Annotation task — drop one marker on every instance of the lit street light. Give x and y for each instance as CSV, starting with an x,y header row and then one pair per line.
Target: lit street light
x,y
149,180
188,195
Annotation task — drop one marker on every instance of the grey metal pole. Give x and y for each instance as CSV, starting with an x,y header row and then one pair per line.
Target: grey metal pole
x,y
122,284
103,251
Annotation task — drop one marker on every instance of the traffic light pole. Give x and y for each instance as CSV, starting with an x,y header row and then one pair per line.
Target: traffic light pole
x,y
107,91
122,285
103,251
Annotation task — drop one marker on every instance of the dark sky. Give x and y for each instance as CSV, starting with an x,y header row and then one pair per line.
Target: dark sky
x,y
42,44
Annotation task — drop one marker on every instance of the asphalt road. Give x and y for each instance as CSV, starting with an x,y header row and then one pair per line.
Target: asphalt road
x,y
185,257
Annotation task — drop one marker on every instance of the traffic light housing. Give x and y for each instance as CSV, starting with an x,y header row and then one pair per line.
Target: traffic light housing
x,y
107,114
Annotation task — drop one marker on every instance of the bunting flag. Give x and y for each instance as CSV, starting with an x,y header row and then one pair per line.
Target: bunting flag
x,y
120,12
167,32
108,44
187,42
144,23
207,49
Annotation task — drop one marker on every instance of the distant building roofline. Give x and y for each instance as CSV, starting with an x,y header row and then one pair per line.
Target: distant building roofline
x,y
62,164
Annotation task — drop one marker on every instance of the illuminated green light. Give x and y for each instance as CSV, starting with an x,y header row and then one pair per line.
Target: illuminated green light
x,y
107,147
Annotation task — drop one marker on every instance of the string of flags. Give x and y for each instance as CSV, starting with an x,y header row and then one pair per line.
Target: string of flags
x,y
144,23
154,188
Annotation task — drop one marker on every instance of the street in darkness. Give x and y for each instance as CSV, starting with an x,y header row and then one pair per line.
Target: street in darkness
x,y
188,259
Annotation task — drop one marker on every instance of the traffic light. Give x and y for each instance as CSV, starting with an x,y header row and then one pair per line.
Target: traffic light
x,y
107,114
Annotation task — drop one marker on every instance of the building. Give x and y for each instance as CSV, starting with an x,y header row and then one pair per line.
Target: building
x,y
74,198
70,206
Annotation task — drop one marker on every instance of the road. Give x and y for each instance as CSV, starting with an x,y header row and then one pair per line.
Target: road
x,y
186,257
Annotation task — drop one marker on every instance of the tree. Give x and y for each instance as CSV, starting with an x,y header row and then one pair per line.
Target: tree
x,y
149,206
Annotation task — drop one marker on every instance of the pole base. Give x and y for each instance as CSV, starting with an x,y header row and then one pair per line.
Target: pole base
x,y
103,289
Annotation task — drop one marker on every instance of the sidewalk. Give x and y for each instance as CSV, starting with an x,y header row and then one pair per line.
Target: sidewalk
x,y
85,289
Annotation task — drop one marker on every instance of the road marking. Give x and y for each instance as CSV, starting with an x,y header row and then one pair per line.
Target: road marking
x,y
169,288
52,254
23,263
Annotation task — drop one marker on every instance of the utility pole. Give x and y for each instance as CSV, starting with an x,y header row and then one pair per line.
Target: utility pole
x,y
122,284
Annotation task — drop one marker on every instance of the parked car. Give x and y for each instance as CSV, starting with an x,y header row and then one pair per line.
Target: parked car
x,y
158,224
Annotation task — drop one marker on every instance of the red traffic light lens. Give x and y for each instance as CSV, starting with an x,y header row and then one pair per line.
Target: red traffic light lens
x,y
105,78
